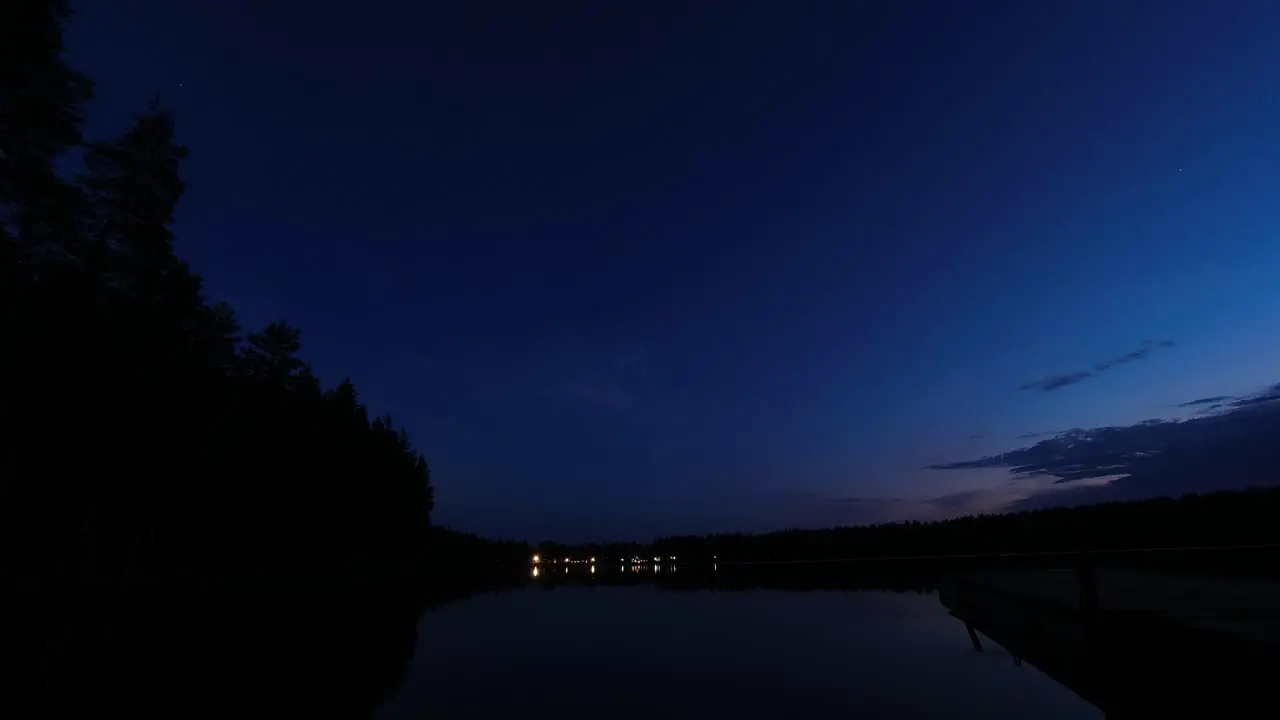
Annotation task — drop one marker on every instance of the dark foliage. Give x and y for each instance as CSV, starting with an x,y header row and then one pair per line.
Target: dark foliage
x,y
183,507
149,443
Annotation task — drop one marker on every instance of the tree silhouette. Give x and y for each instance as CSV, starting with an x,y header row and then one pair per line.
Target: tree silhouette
x,y
271,356
155,442
170,485
41,109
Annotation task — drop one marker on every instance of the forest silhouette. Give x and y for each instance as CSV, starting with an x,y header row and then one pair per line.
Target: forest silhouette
x,y
184,505
1221,519
150,438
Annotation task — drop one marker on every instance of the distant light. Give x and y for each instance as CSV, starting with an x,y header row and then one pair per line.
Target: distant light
x,y
657,559
673,557
566,559
536,559
593,559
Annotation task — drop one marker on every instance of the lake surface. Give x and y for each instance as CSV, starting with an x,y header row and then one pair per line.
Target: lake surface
x,y
647,652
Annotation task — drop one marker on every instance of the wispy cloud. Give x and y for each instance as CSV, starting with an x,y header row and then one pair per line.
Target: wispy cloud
x,y
602,394
1269,395
867,500
1056,382
610,383
1033,435
1061,380
1215,400
635,362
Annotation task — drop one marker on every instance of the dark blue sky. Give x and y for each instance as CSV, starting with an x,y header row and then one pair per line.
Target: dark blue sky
x,y
636,268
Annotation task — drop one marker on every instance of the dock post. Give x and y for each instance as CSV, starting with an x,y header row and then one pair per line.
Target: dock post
x,y
973,636
1088,586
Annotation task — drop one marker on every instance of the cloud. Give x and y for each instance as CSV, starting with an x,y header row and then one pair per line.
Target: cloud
x,y
964,499
1215,400
1055,382
605,395
867,501
1032,435
1269,395
607,383
635,362
984,500
1061,380
1230,449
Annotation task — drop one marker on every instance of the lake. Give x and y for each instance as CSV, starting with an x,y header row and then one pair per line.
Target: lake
x,y
647,652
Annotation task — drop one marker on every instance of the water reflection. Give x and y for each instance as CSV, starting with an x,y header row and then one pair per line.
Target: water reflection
x,y
802,654
225,654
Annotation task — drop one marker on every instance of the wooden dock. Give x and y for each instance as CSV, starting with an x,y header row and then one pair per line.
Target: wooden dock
x,y
1134,644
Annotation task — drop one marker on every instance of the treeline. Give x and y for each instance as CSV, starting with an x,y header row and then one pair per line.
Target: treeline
x,y
1224,518
149,439
463,564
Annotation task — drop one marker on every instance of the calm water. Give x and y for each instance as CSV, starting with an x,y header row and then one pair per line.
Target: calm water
x,y
643,652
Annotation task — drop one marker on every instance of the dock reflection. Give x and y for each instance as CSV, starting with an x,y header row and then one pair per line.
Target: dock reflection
x,y
1129,655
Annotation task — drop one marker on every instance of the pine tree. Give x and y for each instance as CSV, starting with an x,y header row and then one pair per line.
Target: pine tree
x,y
41,111
133,186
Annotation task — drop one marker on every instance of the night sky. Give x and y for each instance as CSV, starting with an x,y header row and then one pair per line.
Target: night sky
x,y
624,269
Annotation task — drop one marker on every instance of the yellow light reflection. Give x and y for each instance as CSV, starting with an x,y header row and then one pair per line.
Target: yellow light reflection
x,y
535,572
593,569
